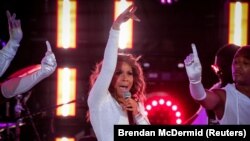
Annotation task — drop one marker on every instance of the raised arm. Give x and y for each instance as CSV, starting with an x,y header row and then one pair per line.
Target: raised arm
x,y
9,50
101,85
20,85
207,98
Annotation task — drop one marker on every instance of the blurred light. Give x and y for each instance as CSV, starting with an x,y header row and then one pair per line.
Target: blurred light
x,y
178,114
126,29
180,65
146,65
168,1
160,111
238,23
161,101
64,139
3,43
148,107
66,23
178,121
153,75
154,103
174,107
163,1
66,91
215,68
168,103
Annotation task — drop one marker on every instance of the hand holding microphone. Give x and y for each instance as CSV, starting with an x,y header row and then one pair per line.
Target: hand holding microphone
x,y
130,107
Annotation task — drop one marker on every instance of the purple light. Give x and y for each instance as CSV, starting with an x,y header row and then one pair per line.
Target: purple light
x,y
163,1
3,43
166,1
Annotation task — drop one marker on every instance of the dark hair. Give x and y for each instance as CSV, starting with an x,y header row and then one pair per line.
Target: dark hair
x,y
138,88
244,51
224,61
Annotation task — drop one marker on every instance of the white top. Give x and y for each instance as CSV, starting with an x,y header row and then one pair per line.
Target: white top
x,y
202,118
236,107
104,110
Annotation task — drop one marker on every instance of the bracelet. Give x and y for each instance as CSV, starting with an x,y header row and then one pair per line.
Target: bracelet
x,y
195,82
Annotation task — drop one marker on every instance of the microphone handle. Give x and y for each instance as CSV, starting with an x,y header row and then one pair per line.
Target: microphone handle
x,y
131,121
130,118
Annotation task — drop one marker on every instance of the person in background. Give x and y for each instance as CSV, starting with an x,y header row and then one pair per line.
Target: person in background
x,y
222,68
19,85
8,52
118,86
230,103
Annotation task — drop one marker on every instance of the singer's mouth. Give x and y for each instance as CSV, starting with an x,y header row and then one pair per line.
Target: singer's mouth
x,y
124,88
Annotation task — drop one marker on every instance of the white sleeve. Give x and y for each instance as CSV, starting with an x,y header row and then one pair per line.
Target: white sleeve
x,y
20,85
101,85
141,118
197,91
6,55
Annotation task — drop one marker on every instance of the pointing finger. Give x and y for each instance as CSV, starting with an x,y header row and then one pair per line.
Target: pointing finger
x,y
48,46
194,50
8,14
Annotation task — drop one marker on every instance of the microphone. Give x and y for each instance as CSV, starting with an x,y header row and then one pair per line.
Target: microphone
x,y
127,95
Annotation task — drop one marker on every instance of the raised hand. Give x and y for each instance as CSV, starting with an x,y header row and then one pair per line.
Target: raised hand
x,y
193,66
15,29
129,13
48,63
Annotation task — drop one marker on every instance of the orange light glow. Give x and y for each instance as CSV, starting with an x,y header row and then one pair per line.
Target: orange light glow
x,y
66,91
238,23
126,29
66,23
64,139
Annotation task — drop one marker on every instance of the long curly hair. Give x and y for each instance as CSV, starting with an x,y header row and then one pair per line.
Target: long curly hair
x,y
138,87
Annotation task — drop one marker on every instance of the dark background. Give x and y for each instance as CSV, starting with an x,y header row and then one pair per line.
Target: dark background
x,y
163,38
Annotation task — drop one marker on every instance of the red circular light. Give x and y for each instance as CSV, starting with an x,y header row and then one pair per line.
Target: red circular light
x,y
162,109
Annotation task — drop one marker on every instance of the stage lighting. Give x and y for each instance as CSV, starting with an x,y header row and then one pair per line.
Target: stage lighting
x,y
163,109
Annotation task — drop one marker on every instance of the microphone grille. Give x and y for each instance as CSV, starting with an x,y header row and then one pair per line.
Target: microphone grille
x,y
127,95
